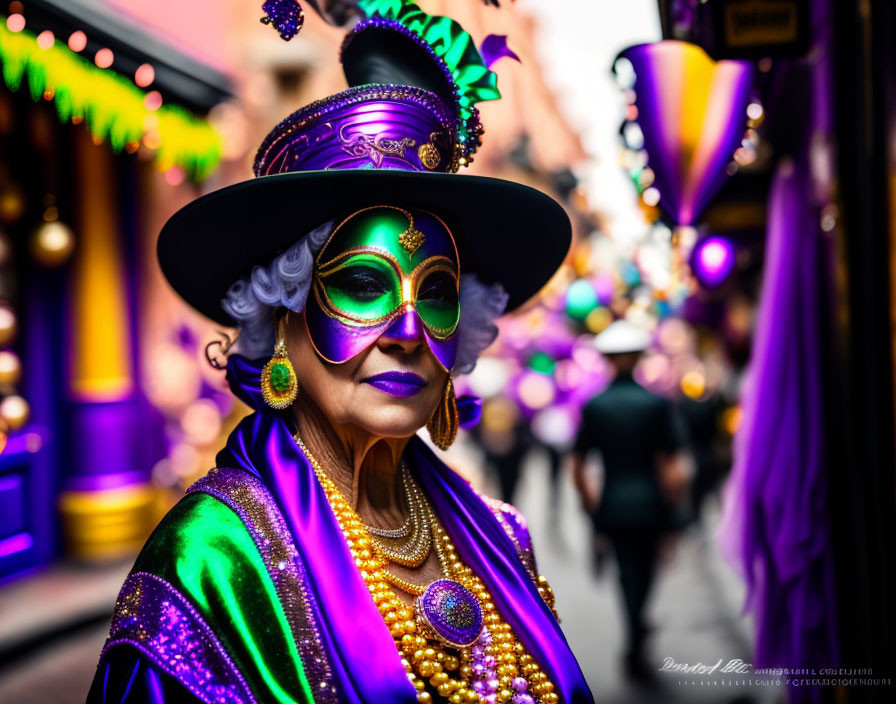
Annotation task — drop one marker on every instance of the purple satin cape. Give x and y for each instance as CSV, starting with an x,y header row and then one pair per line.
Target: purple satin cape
x,y
362,653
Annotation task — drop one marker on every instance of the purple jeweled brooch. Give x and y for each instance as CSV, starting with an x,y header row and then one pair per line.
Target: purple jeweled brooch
x,y
450,612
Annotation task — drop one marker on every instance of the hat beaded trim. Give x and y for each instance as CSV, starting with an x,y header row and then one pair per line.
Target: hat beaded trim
x,y
269,157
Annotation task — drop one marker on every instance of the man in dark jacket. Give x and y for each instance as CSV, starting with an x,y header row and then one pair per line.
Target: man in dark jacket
x,y
638,436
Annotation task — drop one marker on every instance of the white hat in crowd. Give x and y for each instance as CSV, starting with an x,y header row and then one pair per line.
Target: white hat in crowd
x,y
622,336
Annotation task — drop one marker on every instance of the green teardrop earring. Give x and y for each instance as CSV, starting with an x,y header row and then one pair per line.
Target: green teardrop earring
x,y
279,385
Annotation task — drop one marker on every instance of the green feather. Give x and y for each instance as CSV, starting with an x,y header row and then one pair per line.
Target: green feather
x,y
475,82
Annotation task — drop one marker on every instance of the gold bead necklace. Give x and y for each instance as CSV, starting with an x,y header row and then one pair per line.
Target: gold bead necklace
x,y
454,674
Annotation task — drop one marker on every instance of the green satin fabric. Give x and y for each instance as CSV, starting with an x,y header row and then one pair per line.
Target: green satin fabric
x,y
203,549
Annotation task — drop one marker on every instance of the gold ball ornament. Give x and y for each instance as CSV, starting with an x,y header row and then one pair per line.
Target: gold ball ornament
x,y
52,243
10,368
8,325
15,411
12,202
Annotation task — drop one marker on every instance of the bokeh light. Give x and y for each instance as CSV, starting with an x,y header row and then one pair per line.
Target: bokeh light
x,y
46,39
144,75
693,384
585,354
535,390
598,319
104,58
10,368
732,419
569,375
201,422
499,415
713,261
15,411
581,298
604,287
172,381
15,22
489,377
186,462
52,243
674,336
175,176
153,100
152,140
12,202
77,41
654,371
8,325
542,363
651,196
555,425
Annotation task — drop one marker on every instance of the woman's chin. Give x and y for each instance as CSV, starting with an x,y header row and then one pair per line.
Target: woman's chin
x,y
389,421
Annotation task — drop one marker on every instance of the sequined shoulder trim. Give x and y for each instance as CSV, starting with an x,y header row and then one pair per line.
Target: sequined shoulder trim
x,y
514,524
152,616
247,496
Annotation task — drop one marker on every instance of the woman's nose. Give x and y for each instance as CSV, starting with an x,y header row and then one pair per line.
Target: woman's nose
x,y
406,333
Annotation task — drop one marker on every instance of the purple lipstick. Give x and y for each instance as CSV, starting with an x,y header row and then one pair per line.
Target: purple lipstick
x,y
402,384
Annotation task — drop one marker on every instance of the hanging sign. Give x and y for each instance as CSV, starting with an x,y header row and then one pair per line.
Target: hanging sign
x,y
760,28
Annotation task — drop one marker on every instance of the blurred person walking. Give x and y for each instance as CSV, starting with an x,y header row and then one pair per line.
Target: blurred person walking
x,y
505,440
709,445
645,480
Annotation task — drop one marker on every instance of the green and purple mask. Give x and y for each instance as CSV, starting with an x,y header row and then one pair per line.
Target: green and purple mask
x,y
385,270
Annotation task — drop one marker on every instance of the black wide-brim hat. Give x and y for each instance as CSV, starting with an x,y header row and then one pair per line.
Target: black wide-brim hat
x,y
505,232
394,138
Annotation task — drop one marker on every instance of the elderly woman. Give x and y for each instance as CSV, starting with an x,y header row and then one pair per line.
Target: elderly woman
x,y
332,556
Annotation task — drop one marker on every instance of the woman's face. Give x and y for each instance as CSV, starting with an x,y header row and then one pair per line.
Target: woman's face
x,y
357,393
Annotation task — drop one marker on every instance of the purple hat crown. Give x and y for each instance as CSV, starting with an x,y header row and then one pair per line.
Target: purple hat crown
x,y
415,79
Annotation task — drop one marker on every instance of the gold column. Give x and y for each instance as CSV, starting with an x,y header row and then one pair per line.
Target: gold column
x,y
101,519
101,348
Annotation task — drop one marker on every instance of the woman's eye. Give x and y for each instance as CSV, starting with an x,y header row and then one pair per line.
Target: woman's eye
x,y
438,288
361,282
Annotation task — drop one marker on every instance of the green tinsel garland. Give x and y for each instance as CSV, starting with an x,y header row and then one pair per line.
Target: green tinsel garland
x,y
110,105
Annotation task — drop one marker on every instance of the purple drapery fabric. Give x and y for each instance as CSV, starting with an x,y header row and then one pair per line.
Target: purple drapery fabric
x,y
775,525
362,653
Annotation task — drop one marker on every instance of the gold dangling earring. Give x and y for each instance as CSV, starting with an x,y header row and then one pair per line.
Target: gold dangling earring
x,y
442,426
279,385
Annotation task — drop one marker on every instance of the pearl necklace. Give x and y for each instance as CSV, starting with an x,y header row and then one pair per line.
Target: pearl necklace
x,y
495,669
415,550
404,530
